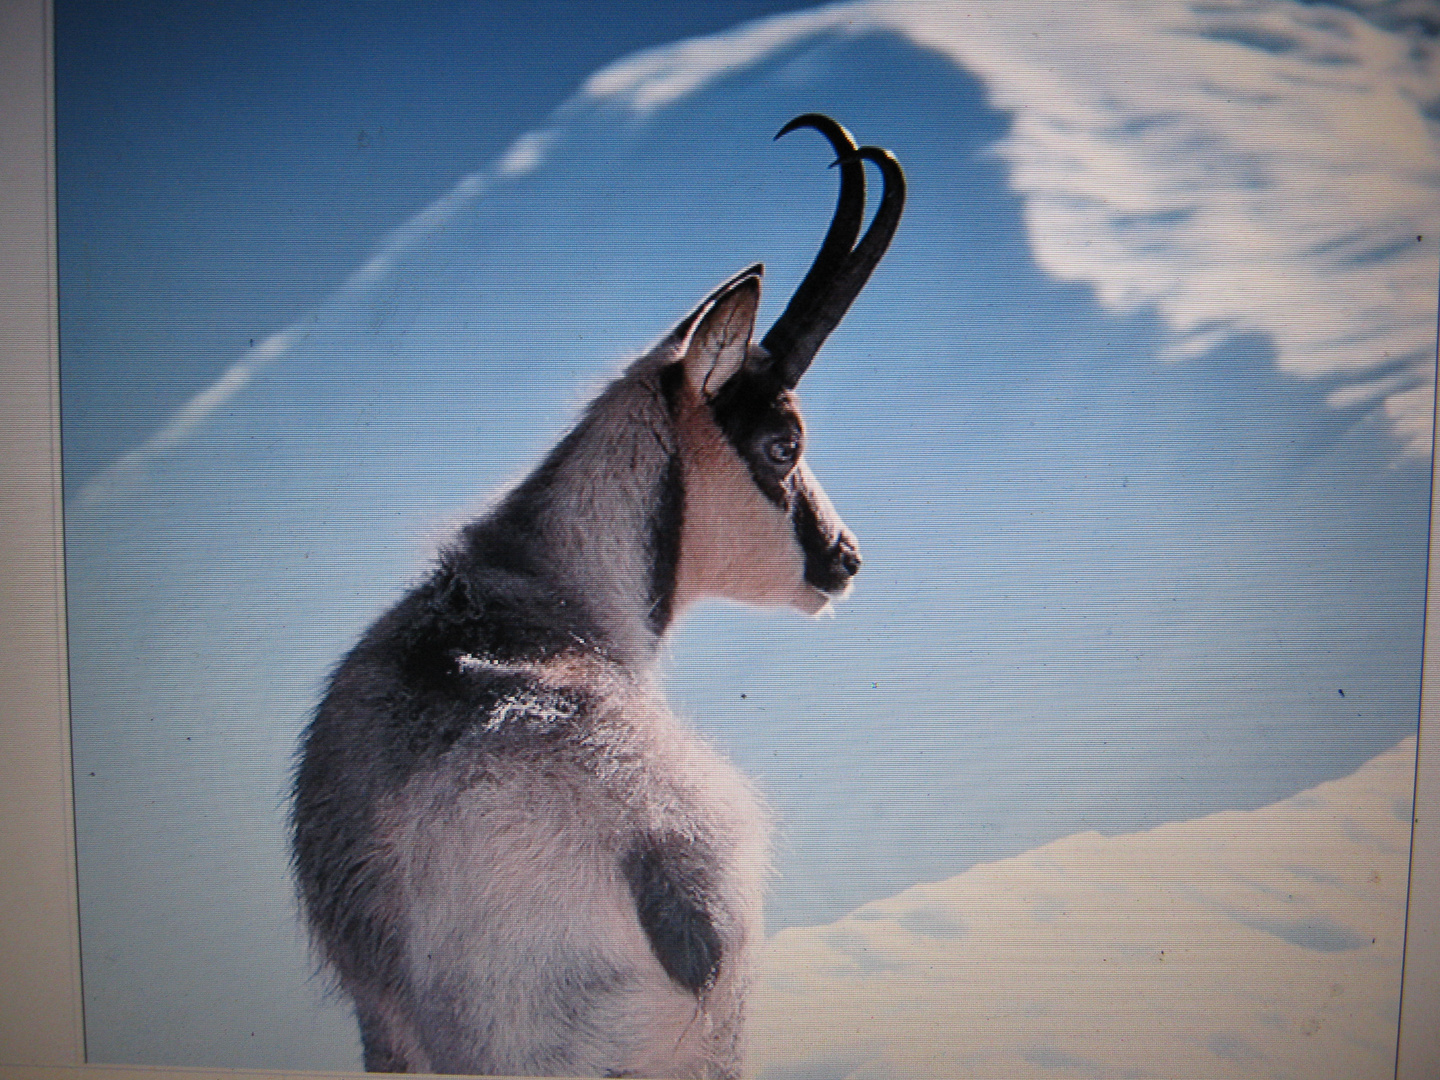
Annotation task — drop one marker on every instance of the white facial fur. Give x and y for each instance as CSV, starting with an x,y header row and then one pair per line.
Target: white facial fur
x,y
735,542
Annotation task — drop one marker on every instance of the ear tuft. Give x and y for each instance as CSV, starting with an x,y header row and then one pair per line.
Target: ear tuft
x,y
720,343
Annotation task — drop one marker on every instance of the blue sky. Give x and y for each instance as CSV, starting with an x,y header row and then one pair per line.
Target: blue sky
x,y
360,114
1132,422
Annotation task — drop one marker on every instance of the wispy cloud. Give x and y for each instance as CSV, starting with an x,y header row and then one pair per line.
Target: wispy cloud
x,y
526,153
1259,943
1247,167
1237,168
652,79
1251,167
122,476
404,238
118,479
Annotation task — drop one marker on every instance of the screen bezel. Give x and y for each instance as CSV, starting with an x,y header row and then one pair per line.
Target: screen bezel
x,y
41,1006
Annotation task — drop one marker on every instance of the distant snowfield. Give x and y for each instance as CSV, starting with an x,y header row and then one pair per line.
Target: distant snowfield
x,y
1249,944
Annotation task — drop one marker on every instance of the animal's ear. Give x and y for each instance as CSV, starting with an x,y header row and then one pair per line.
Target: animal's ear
x,y
720,342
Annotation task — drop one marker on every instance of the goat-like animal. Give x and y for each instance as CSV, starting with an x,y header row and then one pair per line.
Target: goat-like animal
x,y
514,857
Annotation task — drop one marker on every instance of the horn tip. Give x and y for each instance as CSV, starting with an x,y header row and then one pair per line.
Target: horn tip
x,y
791,126
828,126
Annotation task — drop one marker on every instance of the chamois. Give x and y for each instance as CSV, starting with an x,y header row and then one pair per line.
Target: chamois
x,y
511,854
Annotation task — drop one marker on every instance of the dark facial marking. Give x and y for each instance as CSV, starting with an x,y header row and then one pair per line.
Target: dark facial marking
x,y
667,520
672,382
832,557
760,419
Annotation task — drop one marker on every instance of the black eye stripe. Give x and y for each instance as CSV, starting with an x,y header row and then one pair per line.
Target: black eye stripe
x,y
754,412
771,481
810,533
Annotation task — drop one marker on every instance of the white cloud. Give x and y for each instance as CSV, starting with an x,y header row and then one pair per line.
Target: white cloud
x,y
1243,944
405,237
1236,167
649,80
526,153
120,477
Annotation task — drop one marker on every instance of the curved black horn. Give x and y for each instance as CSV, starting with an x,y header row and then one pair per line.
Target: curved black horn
x,y
851,278
837,276
810,296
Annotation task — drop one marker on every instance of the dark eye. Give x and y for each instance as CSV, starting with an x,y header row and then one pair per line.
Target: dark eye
x,y
783,450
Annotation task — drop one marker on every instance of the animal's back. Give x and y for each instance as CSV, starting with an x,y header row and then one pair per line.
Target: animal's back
x,y
524,863
515,858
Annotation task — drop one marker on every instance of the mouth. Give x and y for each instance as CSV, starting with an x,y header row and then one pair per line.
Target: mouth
x,y
829,580
817,602
832,568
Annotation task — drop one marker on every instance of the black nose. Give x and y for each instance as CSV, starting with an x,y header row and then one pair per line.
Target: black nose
x,y
845,557
830,568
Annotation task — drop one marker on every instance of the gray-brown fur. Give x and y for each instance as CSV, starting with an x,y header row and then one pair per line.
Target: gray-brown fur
x,y
513,856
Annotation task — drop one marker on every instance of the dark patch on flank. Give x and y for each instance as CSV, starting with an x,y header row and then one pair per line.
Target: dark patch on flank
x,y
468,609
670,906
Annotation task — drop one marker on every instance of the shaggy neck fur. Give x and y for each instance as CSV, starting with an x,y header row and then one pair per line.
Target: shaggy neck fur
x,y
596,528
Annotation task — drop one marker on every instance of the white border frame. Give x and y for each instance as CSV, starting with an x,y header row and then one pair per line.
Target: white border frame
x,y
40,1003
41,1016
1418,1050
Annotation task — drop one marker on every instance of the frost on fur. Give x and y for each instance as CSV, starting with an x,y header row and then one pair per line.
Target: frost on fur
x,y
514,858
